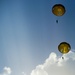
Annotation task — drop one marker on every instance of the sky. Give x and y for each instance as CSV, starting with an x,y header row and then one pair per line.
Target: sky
x,y
29,37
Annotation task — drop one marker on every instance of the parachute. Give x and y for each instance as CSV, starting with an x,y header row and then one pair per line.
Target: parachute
x,y
64,47
58,10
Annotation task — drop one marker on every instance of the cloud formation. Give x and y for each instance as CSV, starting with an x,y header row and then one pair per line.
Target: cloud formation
x,y
55,65
6,71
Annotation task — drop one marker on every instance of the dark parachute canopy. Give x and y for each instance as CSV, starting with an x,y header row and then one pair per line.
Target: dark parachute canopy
x,y
58,10
64,47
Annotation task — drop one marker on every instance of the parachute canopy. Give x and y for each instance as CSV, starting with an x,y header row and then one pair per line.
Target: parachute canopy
x,y
58,9
64,47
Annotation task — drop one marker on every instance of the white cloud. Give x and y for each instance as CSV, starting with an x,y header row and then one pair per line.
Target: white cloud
x,y
6,71
55,65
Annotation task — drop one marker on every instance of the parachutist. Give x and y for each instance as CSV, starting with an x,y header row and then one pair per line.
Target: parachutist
x,y
62,57
56,21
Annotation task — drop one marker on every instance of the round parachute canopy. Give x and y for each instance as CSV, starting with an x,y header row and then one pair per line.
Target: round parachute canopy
x,y
64,47
58,9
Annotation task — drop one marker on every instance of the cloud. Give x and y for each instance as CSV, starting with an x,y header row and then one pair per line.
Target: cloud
x,y
55,65
6,71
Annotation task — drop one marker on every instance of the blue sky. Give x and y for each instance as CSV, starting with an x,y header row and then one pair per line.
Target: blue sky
x,y
29,33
